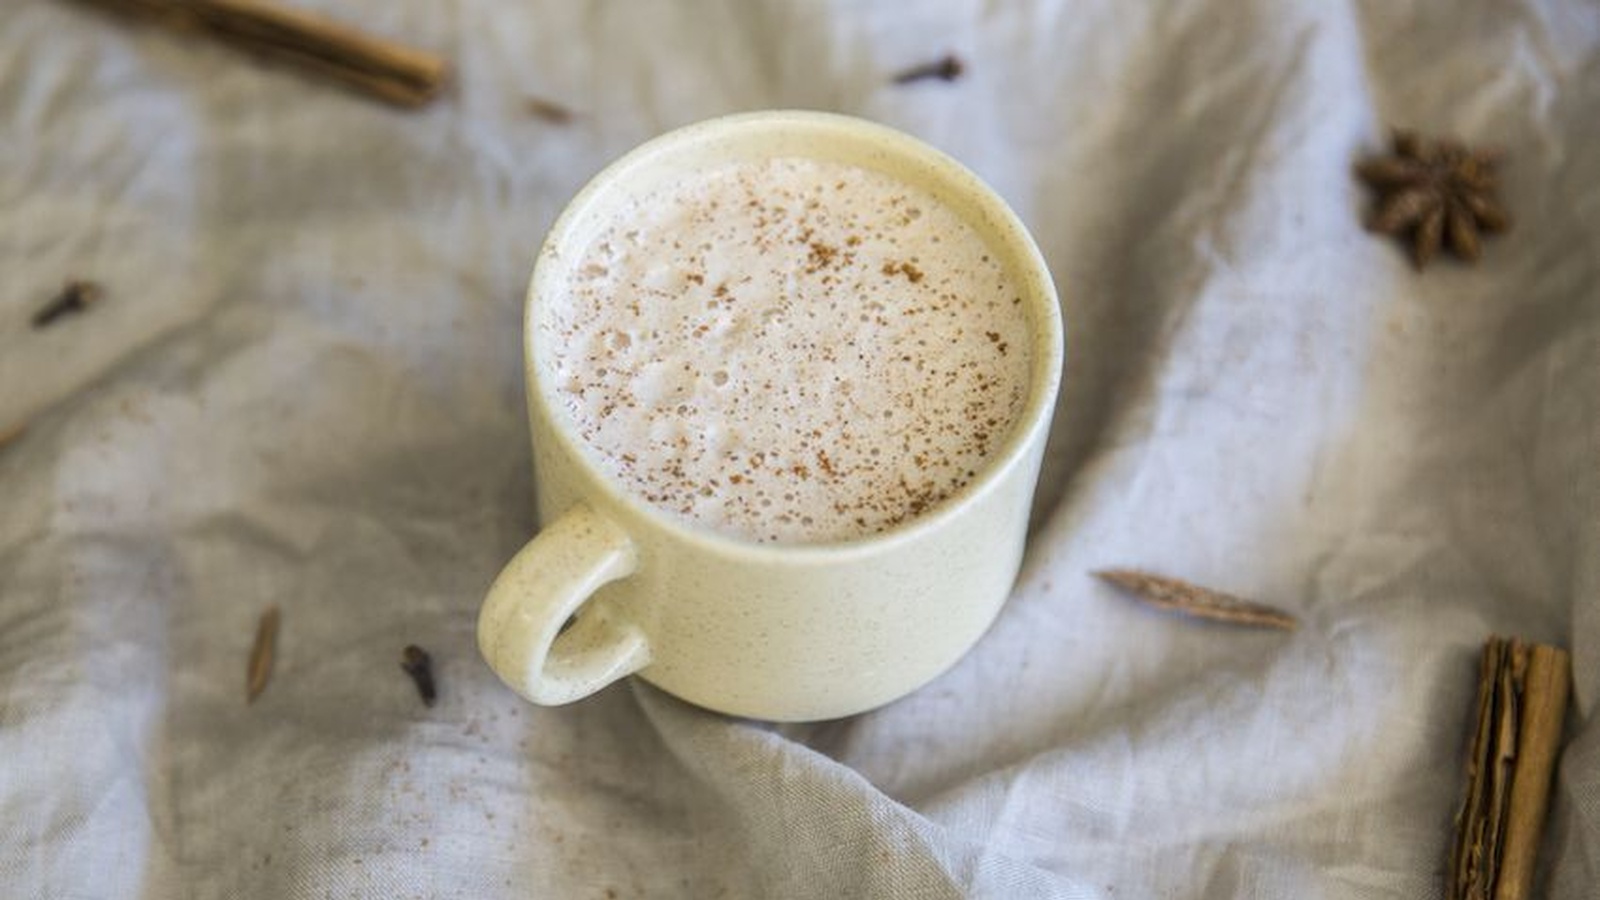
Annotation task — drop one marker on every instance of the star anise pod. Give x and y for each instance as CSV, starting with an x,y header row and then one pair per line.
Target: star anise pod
x,y
1435,193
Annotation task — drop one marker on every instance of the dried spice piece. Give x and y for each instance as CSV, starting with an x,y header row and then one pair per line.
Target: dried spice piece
x,y
947,69
9,434
548,110
319,46
1191,599
74,298
419,665
261,654
1435,194
1521,705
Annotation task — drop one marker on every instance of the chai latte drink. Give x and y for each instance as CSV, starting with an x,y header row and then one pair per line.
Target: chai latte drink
x,y
790,350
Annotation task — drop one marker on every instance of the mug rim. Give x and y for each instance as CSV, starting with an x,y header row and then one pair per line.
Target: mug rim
x,y
1003,225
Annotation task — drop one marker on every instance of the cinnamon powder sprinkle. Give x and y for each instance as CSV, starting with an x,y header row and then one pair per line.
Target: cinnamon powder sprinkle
x,y
910,271
883,361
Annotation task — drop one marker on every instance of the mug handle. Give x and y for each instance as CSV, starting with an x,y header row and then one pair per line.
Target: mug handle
x,y
546,583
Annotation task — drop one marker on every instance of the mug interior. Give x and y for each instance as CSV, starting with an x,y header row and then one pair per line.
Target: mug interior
x,y
824,137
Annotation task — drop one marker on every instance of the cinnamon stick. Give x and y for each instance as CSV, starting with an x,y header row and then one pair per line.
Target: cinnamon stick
x,y
1544,707
392,72
1522,699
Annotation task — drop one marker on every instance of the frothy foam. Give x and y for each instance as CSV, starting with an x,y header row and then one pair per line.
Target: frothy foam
x,y
790,350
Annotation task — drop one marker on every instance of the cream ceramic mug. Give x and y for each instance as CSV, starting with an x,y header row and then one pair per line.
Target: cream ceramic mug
x,y
781,632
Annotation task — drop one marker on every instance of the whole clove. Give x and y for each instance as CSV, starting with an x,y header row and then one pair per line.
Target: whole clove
x,y
416,663
75,297
948,68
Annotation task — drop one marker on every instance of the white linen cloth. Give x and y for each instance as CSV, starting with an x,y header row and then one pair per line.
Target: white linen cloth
x,y
304,387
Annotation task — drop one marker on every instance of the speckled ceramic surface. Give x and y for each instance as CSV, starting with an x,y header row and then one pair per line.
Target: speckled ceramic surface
x,y
771,631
